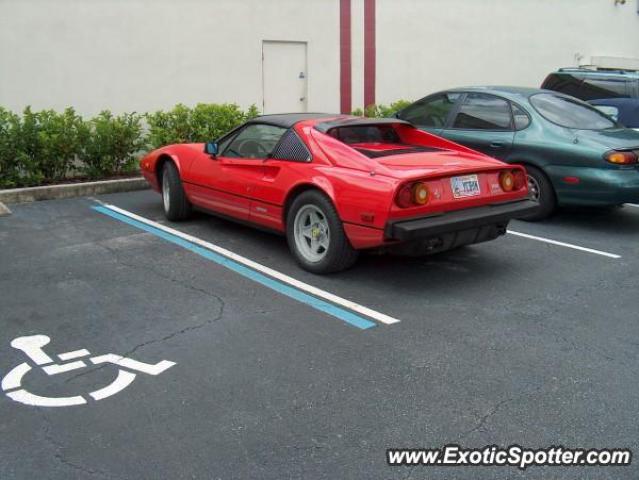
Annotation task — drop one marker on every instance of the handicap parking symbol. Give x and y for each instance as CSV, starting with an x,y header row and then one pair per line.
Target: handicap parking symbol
x,y
32,346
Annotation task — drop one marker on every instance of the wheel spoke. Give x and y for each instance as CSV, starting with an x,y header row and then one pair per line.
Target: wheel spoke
x,y
307,232
315,245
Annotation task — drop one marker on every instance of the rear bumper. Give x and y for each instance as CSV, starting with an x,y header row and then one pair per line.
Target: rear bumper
x,y
597,186
457,221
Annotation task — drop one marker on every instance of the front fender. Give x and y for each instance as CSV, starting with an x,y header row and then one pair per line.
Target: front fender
x,y
152,163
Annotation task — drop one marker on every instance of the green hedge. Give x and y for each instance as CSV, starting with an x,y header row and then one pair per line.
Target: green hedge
x,y
382,111
201,123
44,147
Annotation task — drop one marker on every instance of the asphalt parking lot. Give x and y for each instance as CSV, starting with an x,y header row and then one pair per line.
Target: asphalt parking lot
x,y
513,341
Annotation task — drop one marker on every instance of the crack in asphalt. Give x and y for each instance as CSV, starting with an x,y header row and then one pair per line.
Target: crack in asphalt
x,y
482,421
172,279
57,448
496,408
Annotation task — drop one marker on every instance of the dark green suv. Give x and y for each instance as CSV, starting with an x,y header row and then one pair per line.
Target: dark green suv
x,y
587,84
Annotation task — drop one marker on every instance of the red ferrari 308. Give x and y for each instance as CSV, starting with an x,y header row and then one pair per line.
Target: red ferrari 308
x,y
337,184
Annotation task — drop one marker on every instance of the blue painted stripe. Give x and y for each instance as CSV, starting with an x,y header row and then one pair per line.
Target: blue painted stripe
x,y
284,289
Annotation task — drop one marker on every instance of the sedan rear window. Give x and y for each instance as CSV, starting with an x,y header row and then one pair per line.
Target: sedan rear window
x,y
570,113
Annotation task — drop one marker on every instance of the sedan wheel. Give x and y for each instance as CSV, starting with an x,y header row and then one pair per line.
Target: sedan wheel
x,y
533,188
541,190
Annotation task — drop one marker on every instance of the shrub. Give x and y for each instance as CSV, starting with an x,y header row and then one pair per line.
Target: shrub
x,y
381,111
45,146
59,142
9,138
28,149
169,127
204,122
110,144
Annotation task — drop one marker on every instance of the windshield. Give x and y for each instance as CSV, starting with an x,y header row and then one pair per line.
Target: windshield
x,y
570,113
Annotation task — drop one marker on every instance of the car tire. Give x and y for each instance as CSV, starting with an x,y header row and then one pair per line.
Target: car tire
x,y
316,235
176,206
543,192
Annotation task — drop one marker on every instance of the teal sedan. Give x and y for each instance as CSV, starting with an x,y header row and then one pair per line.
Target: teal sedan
x,y
573,153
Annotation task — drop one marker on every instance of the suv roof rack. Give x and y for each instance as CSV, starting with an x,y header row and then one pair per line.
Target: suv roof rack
x,y
595,69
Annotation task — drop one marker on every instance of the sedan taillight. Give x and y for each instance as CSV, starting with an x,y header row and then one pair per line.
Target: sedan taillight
x,y
621,158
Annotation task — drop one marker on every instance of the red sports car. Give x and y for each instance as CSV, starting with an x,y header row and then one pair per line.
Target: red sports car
x,y
337,184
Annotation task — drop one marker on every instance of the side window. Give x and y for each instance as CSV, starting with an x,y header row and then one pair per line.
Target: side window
x,y
291,148
431,112
254,141
520,118
612,112
595,88
483,112
564,83
221,146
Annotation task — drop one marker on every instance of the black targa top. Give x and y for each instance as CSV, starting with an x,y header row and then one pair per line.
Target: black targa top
x,y
333,120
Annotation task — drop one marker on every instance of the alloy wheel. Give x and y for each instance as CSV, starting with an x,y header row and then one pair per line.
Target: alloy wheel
x,y
312,233
533,188
166,192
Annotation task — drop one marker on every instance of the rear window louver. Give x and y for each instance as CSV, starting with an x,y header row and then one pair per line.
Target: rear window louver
x,y
290,147
400,151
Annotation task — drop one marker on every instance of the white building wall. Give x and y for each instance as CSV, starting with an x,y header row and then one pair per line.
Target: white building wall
x,y
142,55
428,45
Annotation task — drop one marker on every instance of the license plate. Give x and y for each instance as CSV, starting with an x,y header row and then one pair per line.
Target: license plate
x,y
465,186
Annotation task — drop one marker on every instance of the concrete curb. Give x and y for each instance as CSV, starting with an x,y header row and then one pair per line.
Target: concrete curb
x,y
68,190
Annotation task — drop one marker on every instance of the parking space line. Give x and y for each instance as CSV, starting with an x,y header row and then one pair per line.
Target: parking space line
x,y
278,281
563,244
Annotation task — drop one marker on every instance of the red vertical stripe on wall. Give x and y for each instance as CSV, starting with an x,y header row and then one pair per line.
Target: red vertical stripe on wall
x,y
345,55
369,52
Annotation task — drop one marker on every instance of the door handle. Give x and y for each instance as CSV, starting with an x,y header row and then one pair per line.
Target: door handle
x,y
496,144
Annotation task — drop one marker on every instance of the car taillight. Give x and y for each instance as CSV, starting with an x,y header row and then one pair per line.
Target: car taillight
x,y
621,158
507,181
520,179
511,180
413,194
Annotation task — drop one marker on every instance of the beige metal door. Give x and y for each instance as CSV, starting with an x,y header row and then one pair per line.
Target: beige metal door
x,y
284,77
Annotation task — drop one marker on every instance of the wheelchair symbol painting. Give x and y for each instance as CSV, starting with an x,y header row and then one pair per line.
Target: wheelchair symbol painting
x,y
33,345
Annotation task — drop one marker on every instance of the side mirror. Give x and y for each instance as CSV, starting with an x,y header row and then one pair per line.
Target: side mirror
x,y
211,148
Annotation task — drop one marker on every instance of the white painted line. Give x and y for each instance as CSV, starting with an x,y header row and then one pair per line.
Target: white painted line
x,y
356,307
65,367
13,379
133,364
122,381
563,244
75,354
631,205
27,398
32,347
